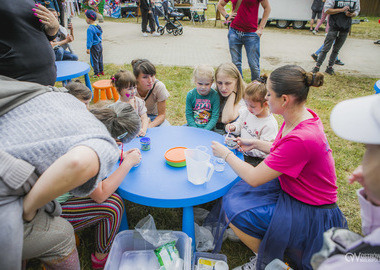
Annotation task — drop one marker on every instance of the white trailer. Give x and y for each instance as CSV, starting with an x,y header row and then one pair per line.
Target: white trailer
x,y
286,12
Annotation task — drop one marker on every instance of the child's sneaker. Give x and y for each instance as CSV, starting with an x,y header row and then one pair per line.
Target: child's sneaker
x,y
315,57
144,34
96,263
102,73
251,265
95,76
315,32
330,71
155,34
339,62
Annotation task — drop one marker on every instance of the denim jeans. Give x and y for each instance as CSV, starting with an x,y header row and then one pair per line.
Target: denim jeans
x,y
336,38
251,42
62,55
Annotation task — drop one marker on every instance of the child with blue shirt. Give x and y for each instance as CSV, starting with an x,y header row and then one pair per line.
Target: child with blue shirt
x,y
202,102
94,43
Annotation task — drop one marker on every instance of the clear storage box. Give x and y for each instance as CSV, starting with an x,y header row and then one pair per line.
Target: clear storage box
x,y
131,240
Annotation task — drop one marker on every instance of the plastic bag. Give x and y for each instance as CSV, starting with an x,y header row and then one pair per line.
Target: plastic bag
x,y
200,215
147,228
204,240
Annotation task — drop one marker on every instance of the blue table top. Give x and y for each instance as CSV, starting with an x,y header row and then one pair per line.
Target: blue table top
x,y
155,183
67,70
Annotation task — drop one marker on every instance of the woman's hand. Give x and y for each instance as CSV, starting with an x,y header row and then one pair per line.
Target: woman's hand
x,y
219,150
47,19
133,156
245,145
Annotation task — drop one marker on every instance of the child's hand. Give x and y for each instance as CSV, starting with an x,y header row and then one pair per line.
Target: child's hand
x,y
141,133
133,156
230,128
88,51
357,176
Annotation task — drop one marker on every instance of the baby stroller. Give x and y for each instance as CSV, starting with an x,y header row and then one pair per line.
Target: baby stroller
x,y
172,17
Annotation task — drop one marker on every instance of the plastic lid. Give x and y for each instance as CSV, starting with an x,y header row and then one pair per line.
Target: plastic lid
x,y
176,154
145,139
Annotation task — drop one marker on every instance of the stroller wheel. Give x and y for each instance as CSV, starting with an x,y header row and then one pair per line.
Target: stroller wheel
x,y
175,32
169,30
161,30
180,31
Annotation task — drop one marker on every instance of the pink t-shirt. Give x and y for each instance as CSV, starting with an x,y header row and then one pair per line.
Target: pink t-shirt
x,y
247,16
305,160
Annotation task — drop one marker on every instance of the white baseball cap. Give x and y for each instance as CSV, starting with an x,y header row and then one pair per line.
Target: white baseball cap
x,y
358,119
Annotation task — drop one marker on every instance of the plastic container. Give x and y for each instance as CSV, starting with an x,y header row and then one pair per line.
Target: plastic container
x,y
175,157
131,240
216,257
199,168
145,143
139,260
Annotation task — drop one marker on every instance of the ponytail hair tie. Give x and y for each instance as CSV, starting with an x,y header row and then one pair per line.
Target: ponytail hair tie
x,y
262,79
312,80
113,79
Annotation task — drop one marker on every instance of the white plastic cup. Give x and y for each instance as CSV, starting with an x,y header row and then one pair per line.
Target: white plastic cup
x,y
219,164
221,265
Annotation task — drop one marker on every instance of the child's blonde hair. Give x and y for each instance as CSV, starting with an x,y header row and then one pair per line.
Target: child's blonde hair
x,y
203,71
257,90
231,70
123,79
79,90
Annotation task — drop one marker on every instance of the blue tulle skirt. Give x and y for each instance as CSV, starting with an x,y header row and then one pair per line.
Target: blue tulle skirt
x,y
285,225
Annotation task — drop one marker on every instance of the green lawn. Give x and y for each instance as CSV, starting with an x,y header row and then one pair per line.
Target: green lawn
x,y
347,154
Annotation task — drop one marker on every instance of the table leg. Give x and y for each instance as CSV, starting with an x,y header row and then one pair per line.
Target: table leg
x,y
124,221
188,224
87,80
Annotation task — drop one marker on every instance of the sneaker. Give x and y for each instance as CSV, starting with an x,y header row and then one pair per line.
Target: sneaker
x,y
232,236
95,76
315,57
101,73
338,62
155,34
330,70
251,265
96,263
315,69
377,42
144,34
315,32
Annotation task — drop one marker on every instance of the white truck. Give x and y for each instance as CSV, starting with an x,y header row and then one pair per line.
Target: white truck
x,y
287,12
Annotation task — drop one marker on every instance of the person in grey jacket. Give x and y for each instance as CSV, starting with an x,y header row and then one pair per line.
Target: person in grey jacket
x,y
341,14
49,144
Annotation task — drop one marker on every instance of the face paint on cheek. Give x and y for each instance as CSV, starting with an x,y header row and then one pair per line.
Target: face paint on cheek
x,y
127,95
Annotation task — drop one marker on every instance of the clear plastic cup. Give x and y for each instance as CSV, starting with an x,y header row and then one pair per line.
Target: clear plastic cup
x,y
219,164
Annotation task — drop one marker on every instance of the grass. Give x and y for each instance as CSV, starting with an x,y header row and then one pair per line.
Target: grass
x,y
347,154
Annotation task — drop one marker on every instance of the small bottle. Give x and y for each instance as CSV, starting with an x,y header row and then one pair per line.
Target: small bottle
x,y
145,143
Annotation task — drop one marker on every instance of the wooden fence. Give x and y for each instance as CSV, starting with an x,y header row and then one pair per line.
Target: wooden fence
x,y
370,8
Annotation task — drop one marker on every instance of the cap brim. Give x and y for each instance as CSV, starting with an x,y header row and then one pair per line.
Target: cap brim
x,y
358,119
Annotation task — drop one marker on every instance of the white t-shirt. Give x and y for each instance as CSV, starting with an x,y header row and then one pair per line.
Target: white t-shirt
x,y
248,126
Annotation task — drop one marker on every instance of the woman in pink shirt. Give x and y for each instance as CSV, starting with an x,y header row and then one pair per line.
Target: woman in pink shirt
x,y
283,206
